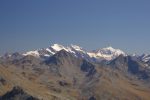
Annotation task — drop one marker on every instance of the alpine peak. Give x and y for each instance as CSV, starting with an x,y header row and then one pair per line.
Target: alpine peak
x,y
107,53
76,47
58,47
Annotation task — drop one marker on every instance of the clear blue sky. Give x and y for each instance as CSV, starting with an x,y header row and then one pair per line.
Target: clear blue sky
x,y
32,24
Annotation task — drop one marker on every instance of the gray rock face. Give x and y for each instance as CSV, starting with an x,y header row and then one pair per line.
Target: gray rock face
x,y
64,58
132,66
88,67
17,94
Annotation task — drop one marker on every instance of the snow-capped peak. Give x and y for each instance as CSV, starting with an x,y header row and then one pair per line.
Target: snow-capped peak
x,y
110,50
107,53
58,47
78,48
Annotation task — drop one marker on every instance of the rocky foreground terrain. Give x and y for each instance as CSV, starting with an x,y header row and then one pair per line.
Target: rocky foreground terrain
x,y
64,76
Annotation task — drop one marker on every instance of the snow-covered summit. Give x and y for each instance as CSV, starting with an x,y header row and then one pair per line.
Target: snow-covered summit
x,y
58,47
107,53
76,47
111,51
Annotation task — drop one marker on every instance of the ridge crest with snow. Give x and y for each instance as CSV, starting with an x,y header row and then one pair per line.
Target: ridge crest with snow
x,y
107,53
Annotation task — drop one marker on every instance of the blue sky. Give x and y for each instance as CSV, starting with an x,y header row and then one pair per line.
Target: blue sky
x,y
33,24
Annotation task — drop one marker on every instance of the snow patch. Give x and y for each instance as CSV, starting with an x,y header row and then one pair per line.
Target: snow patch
x,y
33,53
58,47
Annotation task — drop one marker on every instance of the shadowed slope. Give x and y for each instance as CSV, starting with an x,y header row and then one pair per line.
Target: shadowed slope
x,y
17,94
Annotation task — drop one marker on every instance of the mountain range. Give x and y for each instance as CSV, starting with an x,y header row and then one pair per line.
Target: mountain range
x,y
108,53
98,55
73,73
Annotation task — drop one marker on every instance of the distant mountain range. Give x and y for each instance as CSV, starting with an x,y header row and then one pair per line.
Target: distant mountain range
x,y
72,73
108,53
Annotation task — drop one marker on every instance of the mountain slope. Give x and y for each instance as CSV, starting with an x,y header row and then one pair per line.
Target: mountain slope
x,y
69,65
64,76
130,65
